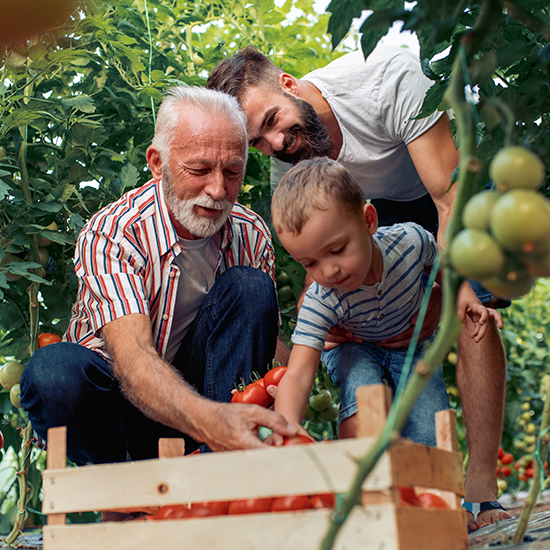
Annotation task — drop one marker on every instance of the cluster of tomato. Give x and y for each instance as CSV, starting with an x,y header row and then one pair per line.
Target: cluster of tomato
x,y
255,393
505,242
321,408
503,464
10,373
245,506
409,497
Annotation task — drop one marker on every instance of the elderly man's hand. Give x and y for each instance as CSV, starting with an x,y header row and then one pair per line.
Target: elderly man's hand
x,y
234,426
431,321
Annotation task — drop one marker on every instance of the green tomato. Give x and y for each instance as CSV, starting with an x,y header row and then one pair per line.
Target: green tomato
x,y
320,401
11,374
511,286
283,278
516,168
309,415
477,212
520,220
15,396
330,414
285,294
475,254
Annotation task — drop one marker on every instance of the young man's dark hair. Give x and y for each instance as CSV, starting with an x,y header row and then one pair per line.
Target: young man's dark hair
x,y
246,68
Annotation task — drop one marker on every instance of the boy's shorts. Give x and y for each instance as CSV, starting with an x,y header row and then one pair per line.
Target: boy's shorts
x,y
423,212
353,365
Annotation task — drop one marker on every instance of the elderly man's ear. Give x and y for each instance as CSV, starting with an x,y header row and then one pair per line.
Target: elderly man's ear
x,y
155,164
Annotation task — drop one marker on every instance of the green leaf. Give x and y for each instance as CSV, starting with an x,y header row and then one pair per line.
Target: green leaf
x,y
129,177
5,189
342,14
47,206
83,103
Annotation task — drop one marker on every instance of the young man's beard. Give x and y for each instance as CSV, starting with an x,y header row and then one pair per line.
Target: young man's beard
x,y
314,139
183,210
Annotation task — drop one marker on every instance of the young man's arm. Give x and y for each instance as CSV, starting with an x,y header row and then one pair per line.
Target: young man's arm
x,y
295,387
159,391
435,157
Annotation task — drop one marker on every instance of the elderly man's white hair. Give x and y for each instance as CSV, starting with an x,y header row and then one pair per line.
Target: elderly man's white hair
x,y
211,102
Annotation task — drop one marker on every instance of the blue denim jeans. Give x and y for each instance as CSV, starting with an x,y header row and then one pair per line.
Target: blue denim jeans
x,y
353,365
65,384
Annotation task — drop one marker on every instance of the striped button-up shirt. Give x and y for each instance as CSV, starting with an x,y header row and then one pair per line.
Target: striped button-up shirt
x,y
124,260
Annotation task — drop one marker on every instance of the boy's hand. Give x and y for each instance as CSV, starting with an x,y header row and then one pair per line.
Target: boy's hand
x,y
468,304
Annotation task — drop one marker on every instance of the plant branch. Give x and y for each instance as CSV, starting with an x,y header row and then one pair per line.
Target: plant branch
x,y
538,477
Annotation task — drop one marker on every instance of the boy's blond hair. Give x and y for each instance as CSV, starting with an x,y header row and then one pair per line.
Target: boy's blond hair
x,y
314,184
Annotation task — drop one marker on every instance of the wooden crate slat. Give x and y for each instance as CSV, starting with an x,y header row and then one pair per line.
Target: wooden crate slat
x,y
368,528
215,476
432,529
417,465
365,530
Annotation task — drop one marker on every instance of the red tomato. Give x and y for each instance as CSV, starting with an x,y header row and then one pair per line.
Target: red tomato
x,y
201,512
523,477
500,452
408,496
324,500
47,338
250,506
507,458
430,500
273,376
253,394
219,507
530,472
291,502
299,439
506,471
171,511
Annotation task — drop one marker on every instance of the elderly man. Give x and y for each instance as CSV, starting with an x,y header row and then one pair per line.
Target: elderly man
x,y
361,113
176,302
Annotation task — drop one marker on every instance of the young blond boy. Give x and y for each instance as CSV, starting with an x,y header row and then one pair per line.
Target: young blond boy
x,y
368,280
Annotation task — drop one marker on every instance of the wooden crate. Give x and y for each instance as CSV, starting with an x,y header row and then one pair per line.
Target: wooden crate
x,y
381,522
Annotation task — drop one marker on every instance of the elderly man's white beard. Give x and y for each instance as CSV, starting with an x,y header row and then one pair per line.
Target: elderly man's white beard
x,y
183,210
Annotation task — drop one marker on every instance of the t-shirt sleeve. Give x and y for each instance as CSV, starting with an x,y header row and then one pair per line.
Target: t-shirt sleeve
x,y
402,91
426,244
319,312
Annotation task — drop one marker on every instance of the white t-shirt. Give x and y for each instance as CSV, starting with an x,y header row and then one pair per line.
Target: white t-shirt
x,y
374,102
197,263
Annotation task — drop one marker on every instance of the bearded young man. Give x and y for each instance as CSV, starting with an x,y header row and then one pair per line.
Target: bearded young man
x,y
176,302
362,113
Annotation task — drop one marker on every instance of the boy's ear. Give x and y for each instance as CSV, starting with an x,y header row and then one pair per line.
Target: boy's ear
x,y
288,84
370,216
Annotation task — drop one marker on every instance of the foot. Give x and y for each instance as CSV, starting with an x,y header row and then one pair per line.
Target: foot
x,y
484,513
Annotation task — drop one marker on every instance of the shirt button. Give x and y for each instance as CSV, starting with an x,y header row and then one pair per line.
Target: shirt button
x,y
379,293
381,316
165,317
172,274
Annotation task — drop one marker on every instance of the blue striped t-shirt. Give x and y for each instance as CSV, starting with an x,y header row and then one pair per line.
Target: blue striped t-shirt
x,y
375,312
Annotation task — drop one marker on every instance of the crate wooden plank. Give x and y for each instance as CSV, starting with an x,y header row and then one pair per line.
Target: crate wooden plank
x,y
57,458
303,469
417,465
432,529
370,528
